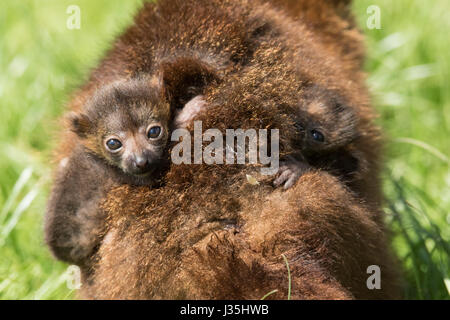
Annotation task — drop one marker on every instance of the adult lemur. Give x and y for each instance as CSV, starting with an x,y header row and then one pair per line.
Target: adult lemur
x,y
206,233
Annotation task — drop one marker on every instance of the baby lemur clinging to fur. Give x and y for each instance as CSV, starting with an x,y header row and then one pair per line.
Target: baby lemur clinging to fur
x,y
326,127
123,135
121,138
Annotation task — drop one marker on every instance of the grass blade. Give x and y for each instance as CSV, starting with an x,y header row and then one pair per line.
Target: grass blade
x,y
23,205
268,294
289,275
18,186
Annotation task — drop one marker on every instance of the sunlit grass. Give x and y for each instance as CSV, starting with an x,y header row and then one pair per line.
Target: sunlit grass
x,y
409,74
41,62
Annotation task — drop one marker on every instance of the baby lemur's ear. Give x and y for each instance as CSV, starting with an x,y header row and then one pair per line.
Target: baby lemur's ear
x,y
80,124
184,78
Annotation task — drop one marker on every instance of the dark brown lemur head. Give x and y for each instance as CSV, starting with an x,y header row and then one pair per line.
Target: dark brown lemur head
x,y
327,129
324,121
126,124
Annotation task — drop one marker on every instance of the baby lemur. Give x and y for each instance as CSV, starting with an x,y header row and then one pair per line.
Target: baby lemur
x,y
326,126
121,137
123,133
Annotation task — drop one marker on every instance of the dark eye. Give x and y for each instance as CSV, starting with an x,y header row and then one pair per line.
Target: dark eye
x,y
317,136
113,144
154,132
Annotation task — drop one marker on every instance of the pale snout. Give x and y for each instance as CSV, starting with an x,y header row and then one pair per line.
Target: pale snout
x,y
141,163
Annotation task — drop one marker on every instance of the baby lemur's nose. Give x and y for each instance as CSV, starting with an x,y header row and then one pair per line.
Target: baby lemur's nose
x,y
141,162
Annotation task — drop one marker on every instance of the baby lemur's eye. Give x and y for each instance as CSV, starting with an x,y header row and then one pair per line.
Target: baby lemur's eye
x,y
317,135
154,132
113,144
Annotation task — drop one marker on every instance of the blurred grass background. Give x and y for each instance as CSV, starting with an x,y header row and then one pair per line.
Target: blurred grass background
x,y
42,62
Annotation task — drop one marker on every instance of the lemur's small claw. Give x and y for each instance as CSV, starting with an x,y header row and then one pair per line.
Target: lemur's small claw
x,y
289,172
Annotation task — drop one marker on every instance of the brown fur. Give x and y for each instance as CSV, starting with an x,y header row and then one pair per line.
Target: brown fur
x,y
207,233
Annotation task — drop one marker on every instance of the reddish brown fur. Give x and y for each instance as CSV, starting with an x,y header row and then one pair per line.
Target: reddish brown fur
x,y
207,233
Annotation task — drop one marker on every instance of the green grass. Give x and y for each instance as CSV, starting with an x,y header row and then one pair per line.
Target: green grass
x,y
41,62
409,76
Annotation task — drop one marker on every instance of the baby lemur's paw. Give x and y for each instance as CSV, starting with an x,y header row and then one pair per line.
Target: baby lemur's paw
x,y
189,111
289,172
